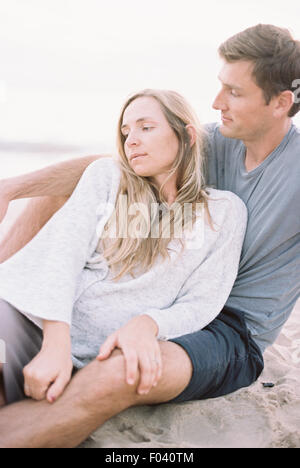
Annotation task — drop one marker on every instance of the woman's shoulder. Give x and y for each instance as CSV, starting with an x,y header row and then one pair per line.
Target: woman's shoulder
x,y
224,204
105,170
225,196
107,164
100,180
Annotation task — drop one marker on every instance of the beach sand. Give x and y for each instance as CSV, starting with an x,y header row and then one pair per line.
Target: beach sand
x,y
255,417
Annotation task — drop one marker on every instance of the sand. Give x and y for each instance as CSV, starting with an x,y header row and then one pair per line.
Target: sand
x,y
255,417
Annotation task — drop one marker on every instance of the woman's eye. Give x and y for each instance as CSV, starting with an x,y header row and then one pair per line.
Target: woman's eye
x,y
147,128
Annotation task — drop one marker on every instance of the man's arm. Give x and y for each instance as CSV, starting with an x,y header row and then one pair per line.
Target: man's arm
x,y
57,180
35,215
50,187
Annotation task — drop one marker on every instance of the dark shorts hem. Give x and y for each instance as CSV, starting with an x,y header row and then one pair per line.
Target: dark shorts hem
x,y
224,357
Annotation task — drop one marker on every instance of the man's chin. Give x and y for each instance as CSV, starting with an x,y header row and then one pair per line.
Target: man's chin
x,y
227,132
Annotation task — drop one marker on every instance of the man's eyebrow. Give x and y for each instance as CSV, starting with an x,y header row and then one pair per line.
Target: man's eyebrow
x,y
229,85
142,119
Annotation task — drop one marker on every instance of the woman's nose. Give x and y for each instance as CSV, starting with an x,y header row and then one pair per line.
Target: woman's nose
x,y
132,139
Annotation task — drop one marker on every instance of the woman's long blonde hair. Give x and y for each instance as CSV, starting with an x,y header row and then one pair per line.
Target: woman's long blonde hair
x,y
125,253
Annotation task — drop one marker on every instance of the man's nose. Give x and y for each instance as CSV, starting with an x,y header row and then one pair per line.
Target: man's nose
x,y
219,102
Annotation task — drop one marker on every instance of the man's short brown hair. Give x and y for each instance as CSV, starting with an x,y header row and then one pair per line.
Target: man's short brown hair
x,y
275,55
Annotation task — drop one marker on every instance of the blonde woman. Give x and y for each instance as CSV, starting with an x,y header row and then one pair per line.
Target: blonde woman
x,y
142,252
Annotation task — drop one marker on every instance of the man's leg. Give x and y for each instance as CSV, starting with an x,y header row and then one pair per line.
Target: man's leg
x,y
95,394
35,215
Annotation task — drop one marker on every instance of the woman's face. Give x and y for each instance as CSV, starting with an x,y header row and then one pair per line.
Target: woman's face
x,y
151,145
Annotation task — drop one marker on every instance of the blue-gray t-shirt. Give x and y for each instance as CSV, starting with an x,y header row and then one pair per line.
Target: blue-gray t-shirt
x,y
268,282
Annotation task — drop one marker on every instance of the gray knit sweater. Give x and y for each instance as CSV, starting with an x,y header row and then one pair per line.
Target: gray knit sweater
x,y
60,276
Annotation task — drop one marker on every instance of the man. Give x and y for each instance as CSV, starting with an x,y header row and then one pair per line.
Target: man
x,y
254,153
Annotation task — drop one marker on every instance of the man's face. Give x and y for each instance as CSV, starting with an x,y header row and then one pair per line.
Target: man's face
x,y
244,112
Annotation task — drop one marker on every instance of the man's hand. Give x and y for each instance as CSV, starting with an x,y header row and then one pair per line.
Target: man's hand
x,y
138,342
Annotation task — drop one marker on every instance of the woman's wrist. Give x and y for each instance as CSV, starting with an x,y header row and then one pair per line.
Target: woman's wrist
x,y
55,334
150,323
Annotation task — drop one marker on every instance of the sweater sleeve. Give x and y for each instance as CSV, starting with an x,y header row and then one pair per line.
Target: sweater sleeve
x,y
41,279
206,290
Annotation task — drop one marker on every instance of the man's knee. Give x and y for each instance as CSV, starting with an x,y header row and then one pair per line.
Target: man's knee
x,y
177,372
99,380
111,377
107,379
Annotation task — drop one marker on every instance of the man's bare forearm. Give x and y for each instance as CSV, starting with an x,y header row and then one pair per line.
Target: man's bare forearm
x,y
35,215
57,180
49,189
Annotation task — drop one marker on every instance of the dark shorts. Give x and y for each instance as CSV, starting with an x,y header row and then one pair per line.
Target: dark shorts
x,y
225,357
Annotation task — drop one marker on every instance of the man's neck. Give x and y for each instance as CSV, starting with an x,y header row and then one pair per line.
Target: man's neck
x,y
259,149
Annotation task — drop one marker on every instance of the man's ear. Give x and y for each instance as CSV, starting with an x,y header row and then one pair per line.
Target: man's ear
x,y
284,102
192,133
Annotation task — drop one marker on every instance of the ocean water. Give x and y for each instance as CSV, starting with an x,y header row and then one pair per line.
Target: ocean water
x,y
14,163
68,65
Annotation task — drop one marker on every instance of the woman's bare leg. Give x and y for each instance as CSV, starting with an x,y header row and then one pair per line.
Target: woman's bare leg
x,y
35,215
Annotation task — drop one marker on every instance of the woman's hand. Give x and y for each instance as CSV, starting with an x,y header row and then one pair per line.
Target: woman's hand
x,y
138,342
48,374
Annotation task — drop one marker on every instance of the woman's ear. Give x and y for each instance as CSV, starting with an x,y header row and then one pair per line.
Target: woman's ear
x,y
192,133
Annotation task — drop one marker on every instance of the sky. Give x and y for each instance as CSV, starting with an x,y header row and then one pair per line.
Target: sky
x,y
67,66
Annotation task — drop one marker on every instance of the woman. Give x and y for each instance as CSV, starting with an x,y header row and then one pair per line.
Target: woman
x,y
141,243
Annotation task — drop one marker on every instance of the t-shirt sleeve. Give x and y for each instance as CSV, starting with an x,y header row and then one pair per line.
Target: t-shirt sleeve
x,y
40,280
206,290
